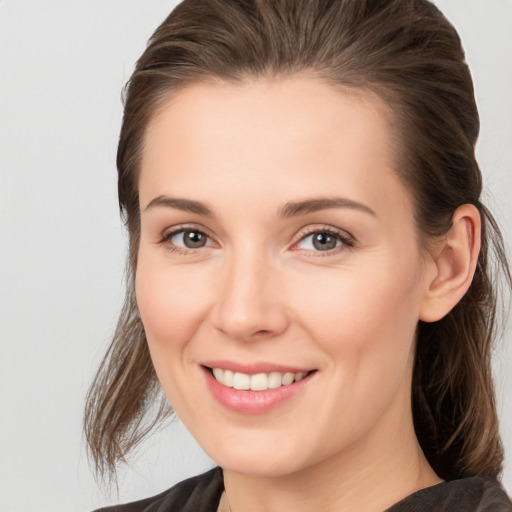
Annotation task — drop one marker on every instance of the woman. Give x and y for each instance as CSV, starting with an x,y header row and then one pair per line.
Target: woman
x,y
310,282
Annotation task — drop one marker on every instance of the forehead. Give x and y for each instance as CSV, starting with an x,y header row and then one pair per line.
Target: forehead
x,y
294,135
288,107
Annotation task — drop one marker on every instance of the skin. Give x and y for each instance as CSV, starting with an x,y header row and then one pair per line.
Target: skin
x,y
259,290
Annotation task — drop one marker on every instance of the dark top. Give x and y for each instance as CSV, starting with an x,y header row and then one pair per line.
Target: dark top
x,y
202,494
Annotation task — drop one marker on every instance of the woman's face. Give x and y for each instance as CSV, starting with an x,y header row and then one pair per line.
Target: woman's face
x,y
278,251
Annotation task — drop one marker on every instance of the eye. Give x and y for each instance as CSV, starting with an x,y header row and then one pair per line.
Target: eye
x,y
185,239
323,240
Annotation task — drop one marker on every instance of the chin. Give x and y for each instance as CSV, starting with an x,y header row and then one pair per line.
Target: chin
x,y
257,458
270,467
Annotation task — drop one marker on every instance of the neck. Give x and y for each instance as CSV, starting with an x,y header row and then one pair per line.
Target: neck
x,y
368,476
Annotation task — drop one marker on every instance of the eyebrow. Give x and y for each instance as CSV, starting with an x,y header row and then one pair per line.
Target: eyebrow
x,y
296,208
186,205
290,209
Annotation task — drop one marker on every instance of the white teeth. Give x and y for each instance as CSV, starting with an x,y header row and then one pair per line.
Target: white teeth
x,y
228,378
288,378
218,373
275,380
241,381
258,381
299,376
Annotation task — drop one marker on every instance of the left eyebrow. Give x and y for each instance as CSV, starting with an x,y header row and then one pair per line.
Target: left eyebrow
x,y
295,208
186,205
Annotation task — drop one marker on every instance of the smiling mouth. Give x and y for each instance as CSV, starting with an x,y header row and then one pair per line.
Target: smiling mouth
x,y
255,388
256,382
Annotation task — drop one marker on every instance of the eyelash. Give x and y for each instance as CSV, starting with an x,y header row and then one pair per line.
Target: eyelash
x,y
347,241
166,237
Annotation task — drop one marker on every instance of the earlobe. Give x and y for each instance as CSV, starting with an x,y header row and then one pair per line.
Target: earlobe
x,y
454,261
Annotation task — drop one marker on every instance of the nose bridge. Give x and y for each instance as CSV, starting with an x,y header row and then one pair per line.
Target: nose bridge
x,y
248,303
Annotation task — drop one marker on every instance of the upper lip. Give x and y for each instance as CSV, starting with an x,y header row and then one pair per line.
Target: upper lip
x,y
256,367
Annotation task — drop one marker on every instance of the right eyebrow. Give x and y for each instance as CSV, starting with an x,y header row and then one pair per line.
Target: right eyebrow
x,y
306,206
186,205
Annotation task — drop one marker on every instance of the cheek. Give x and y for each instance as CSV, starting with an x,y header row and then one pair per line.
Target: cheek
x,y
171,303
366,326
367,317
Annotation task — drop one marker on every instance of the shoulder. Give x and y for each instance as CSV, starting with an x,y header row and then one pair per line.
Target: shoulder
x,y
471,494
197,494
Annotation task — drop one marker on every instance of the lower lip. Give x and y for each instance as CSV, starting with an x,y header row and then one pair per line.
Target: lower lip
x,y
253,402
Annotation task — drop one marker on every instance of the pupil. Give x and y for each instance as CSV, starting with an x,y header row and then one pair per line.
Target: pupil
x,y
194,239
324,242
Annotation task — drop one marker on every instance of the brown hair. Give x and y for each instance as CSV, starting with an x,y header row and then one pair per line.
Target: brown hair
x,y
407,53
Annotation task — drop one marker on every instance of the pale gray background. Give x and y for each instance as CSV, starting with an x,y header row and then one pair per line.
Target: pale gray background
x,y
62,65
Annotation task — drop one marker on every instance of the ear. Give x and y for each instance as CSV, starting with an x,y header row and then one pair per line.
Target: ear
x,y
454,260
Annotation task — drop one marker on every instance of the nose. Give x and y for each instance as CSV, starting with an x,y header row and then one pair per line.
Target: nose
x,y
249,304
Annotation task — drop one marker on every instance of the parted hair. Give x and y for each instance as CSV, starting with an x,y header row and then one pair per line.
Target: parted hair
x,y
408,54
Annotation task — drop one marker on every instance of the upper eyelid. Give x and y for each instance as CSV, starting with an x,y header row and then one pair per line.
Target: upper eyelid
x,y
174,230
307,231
